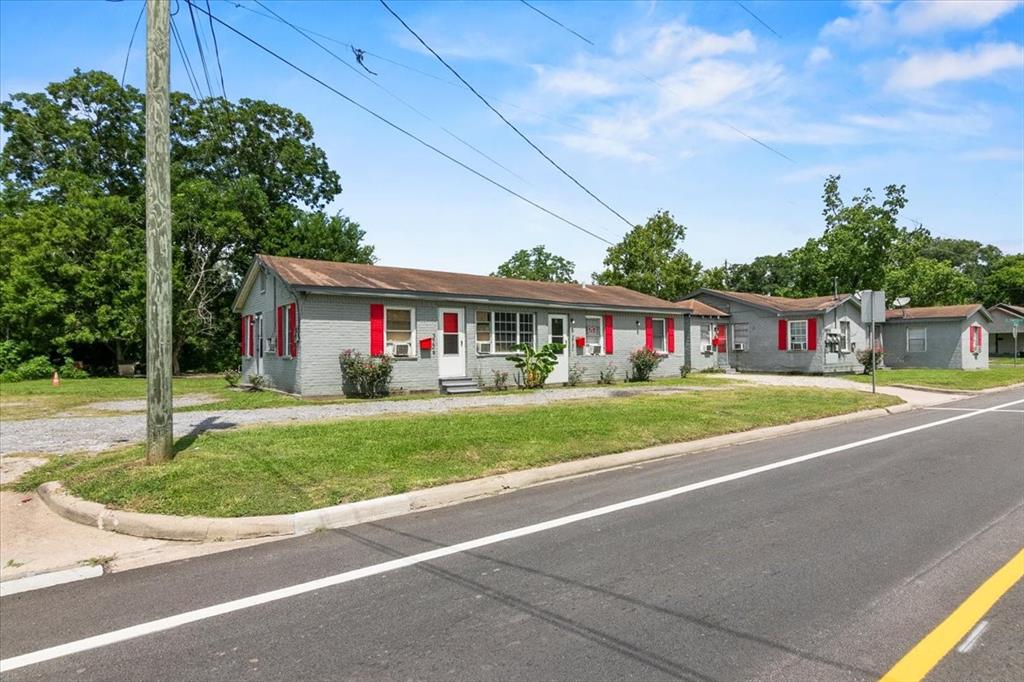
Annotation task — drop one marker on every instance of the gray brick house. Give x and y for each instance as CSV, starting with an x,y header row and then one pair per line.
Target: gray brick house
x,y
946,337
298,315
1001,330
760,333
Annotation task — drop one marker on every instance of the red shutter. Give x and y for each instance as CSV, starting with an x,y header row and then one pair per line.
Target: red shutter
x,y
812,334
649,333
252,336
783,335
376,329
244,329
670,334
971,342
292,323
609,335
720,333
279,331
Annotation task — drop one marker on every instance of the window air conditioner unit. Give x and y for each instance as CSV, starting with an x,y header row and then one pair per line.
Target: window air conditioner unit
x,y
739,345
594,349
707,348
483,347
402,350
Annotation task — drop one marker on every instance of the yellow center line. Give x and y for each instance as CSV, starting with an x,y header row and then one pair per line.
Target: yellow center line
x,y
919,661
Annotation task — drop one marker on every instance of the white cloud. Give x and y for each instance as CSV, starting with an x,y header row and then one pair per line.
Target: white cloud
x,y
928,69
577,82
874,21
994,154
819,55
675,42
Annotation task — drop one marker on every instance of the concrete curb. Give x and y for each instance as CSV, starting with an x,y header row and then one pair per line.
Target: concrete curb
x,y
41,580
959,391
198,528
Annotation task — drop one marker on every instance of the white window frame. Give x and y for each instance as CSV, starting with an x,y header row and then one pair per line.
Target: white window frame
x,y
789,334
286,351
741,334
600,332
664,336
263,281
924,339
494,331
413,355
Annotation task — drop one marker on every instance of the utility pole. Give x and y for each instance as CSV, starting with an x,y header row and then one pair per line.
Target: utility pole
x,y
159,425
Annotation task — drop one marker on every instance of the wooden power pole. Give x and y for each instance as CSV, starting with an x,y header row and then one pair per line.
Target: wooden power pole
x,y
159,424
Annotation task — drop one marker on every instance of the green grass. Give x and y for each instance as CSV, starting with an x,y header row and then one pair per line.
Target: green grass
x,y
282,469
969,380
1000,362
38,399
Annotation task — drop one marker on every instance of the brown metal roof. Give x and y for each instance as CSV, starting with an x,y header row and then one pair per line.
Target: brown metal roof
x,y
1008,307
695,307
328,275
781,304
933,312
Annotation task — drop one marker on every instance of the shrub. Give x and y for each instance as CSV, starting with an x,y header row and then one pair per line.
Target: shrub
x,y
535,365
607,374
864,358
500,379
11,354
38,367
712,370
233,377
684,371
258,382
365,377
70,371
643,361
576,373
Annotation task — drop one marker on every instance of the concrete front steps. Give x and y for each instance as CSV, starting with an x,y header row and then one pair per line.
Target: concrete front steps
x,y
459,385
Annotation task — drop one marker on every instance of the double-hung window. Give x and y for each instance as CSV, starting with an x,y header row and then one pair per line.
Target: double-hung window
x,y
658,327
706,332
595,335
399,332
917,339
503,331
844,336
741,335
798,334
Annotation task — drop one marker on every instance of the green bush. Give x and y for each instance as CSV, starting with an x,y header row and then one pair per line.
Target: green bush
x,y
607,374
864,358
643,361
535,364
38,367
576,373
500,379
258,382
684,371
365,377
11,354
69,371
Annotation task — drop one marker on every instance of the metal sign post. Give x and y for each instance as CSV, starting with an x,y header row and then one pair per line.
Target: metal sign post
x,y
1013,328
872,310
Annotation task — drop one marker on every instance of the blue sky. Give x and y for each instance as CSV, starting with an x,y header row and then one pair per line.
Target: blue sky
x,y
651,116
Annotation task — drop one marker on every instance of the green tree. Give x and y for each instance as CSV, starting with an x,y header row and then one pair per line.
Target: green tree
x,y
246,178
537,264
650,259
929,282
1005,284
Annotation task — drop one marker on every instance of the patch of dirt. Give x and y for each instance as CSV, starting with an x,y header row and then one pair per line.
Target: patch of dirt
x,y
13,468
139,405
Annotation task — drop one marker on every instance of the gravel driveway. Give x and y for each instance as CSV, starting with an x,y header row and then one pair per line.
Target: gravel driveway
x,y
75,434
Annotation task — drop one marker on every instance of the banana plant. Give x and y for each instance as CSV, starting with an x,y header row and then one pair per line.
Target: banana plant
x,y
535,364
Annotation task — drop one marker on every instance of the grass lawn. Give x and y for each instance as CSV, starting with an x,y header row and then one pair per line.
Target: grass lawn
x,y
971,380
38,399
282,469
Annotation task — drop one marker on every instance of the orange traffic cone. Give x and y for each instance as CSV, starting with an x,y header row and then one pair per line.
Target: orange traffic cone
x,y
56,379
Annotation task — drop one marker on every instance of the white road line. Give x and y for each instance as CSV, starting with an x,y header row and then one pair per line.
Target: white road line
x,y
969,409
972,639
170,622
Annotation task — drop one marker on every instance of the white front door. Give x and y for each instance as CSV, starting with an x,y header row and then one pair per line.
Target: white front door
x,y
259,343
451,355
558,332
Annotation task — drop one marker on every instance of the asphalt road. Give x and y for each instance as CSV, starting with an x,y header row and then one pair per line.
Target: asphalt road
x,y
825,569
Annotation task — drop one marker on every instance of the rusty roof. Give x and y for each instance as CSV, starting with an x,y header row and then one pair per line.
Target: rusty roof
x,y
780,304
936,312
1012,309
695,307
330,276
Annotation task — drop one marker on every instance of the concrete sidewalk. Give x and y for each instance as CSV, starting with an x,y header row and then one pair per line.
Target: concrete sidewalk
x,y
913,397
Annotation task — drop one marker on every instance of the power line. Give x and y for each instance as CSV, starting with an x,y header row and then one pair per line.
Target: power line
x,y
131,42
757,18
395,126
556,21
502,117
216,49
193,82
359,73
199,44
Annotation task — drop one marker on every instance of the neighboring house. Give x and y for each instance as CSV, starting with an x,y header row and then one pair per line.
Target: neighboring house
x,y
1000,336
949,337
705,331
298,315
777,334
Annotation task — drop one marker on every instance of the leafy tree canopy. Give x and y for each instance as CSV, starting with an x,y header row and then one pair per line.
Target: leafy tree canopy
x,y
537,264
650,259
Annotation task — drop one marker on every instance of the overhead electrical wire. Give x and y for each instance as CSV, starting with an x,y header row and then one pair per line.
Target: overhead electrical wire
x,y
397,127
193,82
305,34
199,44
757,18
216,49
124,71
556,21
502,117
